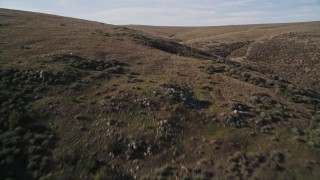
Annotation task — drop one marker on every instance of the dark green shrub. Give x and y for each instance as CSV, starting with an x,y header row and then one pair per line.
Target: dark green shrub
x,y
87,163
14,119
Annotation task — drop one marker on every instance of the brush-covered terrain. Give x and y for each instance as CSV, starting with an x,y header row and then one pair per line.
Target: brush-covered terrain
x,y
88,100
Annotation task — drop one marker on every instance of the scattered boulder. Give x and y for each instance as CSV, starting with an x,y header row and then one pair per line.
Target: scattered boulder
x,y
137,149
133,150
238,106
177,94
214,69
166,130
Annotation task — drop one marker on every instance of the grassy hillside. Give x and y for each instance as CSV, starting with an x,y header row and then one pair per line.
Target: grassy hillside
x,y
87,100
290,51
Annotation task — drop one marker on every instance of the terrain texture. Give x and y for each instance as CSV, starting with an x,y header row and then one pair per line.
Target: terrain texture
x,y
88,100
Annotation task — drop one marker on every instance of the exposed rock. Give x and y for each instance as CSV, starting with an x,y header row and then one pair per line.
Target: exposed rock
x,y
239,106
213,69
166,130
138,149
81,117
178,94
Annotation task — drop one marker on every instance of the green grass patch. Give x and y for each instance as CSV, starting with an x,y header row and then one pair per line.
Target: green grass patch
x,y
4,26
314,136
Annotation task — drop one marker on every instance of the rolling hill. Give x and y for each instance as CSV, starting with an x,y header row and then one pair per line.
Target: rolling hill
x,y
88,100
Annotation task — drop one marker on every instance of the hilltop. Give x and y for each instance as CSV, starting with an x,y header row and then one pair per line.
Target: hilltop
x,y
89,100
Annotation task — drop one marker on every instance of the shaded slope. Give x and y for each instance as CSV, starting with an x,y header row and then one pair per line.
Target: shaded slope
x,y
173,47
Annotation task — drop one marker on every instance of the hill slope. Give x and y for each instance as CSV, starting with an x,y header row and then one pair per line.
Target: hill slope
x,y
290,51
87,100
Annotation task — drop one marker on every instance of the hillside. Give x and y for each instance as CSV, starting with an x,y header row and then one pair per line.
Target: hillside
x,y
290,51
88,100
